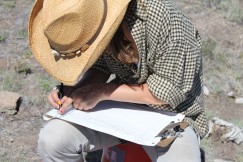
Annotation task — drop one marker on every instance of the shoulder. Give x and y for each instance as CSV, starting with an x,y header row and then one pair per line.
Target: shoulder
x,y
158,8
146,8
157,14
164,17
164,12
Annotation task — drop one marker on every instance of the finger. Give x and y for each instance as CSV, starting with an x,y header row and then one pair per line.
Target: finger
x,y
52,102
76,103
66,105
81,106
87,108
54,95
64,99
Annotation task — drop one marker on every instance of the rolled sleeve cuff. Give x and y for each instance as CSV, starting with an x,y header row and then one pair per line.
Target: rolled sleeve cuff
x,y
164,90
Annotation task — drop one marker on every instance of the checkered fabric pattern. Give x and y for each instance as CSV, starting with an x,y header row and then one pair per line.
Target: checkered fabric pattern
x,y
170,59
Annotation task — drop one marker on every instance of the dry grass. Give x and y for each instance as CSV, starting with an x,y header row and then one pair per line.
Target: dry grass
x,y
208,148
239,156
237,122
232,9
223,68
10,81
45,82
7,4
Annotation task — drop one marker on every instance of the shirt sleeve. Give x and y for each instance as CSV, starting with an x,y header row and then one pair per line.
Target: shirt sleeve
x,y
174,72
101,65
177,61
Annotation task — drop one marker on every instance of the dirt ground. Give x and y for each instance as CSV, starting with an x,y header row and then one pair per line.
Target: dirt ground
x,y
225,108
19,133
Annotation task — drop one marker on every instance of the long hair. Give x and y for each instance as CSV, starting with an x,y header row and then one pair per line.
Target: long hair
x,y
122,49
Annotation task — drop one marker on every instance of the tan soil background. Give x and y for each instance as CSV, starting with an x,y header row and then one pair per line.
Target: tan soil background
x,y
19,72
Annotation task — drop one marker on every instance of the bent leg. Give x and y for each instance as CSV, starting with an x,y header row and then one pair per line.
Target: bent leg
x,y
184,149
63,141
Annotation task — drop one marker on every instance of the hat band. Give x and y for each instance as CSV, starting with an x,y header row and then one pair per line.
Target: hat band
x,y
72,53
85,46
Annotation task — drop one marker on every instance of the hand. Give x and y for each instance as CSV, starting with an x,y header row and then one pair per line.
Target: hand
x,y
84,98
54,99
87,97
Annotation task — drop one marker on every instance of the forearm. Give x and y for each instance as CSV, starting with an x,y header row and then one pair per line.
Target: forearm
x,y
87,97
92,77
133,93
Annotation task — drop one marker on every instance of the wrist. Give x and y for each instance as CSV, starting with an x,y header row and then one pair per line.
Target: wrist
x,y
107,89
67,90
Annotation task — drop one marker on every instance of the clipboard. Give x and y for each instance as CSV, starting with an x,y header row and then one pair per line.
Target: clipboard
x,y
132,122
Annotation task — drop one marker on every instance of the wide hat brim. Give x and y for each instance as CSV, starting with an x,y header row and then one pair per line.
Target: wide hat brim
x,y
68,71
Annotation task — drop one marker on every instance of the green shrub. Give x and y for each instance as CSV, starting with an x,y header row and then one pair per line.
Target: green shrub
x,y
22,33
3,36
27,55
22,67
46,83
208,47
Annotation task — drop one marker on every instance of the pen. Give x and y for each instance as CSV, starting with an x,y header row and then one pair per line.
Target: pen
x,y
60,95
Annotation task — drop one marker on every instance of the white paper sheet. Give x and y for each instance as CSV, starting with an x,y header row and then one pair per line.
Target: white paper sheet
x,y
132,122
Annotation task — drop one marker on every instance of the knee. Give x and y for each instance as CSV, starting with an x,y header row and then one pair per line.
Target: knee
x,y
53,138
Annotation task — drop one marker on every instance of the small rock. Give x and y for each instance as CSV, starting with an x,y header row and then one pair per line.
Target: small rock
x,y
231,94
205,90
11,139
239,100
10,102
221,160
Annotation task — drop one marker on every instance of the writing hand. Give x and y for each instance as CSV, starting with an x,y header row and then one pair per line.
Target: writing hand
x,y
53,99
86,98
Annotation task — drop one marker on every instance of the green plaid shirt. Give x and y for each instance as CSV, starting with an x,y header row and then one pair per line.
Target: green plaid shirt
x,y
170,59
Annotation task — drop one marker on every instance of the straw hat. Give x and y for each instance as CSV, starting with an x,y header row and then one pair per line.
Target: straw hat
x,y
67,37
